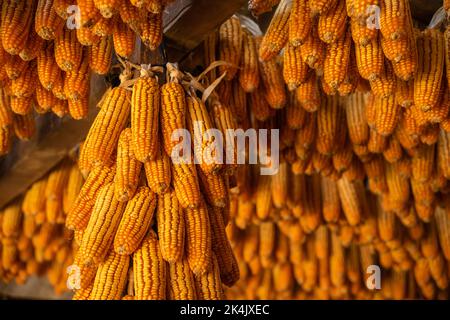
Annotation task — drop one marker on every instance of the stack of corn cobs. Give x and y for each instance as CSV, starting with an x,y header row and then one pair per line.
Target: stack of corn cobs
x,y
33,240
48,49
365,137
362,105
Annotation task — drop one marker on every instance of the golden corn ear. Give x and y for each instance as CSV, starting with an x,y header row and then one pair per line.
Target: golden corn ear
x,y
111,277
47,23
107,8
313,50
145,105
198,239
249,73
209,285
181,285
171,227
100,55
173,109
230,45
124,39
128,168
428,81
272,79
149,270
185,183
332,24
337,61
49,73
17,17
158,172
214,188
351,204
277,33
370,60
135,221
152,30
199,123
229,270
68,51
295,70
299,22
75,182
11,220
104,133
103,223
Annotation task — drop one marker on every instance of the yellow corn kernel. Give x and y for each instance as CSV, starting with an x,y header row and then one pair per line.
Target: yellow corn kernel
x,y
47,23
370,60
299,22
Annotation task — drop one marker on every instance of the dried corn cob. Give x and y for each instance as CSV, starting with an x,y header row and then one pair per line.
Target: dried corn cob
x,y
295,70
17,17
370,60
135,221
100,56
124,39
158,172
181,285
299,22
171,227
337,60
48,72
277,33
108,124
428,81
152,30
230,45
173,108
313,50
229,270
102,226
145,103
249,72
47,23
333,22
111,277
128,168
68,51
273,83
149,270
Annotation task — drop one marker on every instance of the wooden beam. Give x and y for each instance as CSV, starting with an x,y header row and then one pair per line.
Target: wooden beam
x,y
186,23
197,18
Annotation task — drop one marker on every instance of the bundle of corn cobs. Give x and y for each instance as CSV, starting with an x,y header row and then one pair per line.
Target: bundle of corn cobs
x,y
49,48
364,121
33,240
